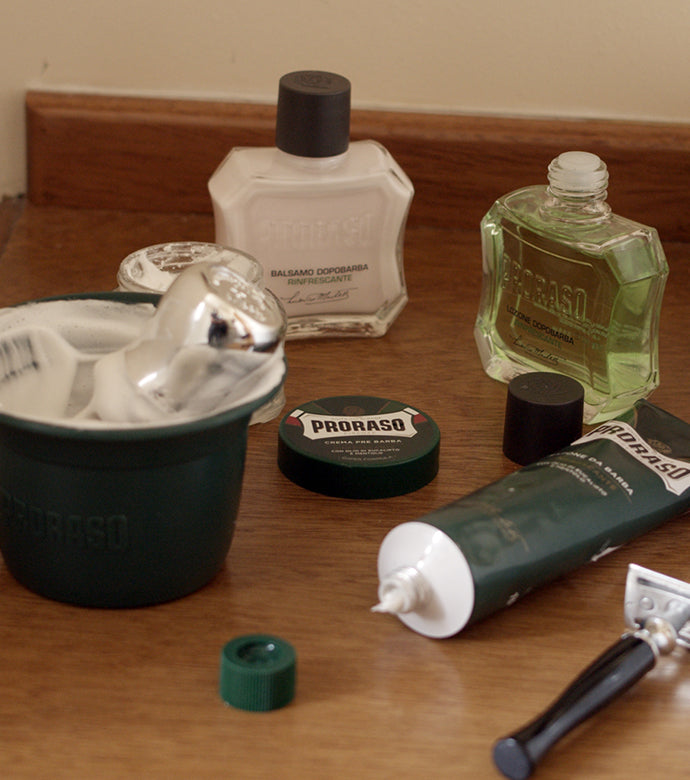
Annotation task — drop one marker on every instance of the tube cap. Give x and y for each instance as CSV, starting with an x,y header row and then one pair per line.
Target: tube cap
x,y
313,118
358,447
257,672
543,415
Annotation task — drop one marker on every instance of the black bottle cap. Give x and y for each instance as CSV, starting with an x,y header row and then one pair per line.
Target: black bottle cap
x,y
543,415
313,118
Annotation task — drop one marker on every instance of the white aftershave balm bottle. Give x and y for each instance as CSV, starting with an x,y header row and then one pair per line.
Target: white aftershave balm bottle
x,y
324,217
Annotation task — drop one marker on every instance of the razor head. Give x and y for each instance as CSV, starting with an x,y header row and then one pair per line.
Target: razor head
x,y
650,594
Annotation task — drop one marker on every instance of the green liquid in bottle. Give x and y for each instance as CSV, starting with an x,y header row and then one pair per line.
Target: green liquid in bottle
x,y
572,288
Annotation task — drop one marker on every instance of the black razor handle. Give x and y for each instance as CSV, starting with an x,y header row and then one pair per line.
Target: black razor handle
x,y
616,670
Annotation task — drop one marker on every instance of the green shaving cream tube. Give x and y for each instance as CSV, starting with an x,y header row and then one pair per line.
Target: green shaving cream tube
x,y
464,561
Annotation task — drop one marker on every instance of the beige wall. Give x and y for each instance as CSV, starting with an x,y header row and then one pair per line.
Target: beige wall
x,y
581,58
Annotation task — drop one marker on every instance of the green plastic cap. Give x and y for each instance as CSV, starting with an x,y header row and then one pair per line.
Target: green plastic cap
x,y
257,672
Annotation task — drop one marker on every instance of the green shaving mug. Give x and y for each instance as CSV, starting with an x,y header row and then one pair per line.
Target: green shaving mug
x,y
122,517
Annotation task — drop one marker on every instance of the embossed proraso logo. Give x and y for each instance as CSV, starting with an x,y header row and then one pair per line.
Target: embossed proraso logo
x,y
353,231
93,532
546,293
315,79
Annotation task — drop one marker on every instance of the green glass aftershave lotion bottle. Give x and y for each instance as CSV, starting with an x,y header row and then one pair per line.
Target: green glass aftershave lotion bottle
x,y
570,287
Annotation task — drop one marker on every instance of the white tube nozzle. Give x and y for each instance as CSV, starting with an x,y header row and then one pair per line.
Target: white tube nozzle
x,y
403,590
392,602
425,580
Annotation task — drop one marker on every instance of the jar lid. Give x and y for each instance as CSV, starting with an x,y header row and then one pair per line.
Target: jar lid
x,y
257,672
543,415
358,447
154,268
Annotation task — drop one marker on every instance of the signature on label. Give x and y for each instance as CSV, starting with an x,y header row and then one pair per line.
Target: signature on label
x,y
328,296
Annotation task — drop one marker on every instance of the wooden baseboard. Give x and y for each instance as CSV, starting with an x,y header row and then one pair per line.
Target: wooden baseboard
x,y
10,211
90,151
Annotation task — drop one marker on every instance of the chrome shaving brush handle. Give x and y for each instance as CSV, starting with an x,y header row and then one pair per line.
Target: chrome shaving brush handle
x,y
210,304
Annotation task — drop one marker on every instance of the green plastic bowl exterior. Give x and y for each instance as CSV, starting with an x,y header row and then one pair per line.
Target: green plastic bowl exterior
x,y
124,517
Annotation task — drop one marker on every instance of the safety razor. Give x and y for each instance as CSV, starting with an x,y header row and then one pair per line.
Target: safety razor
x,y
657,614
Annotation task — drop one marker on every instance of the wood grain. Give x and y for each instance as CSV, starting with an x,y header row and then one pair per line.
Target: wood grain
x,y
157,155
133,693
10,210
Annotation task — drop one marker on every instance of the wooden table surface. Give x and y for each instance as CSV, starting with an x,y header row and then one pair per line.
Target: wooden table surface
x,y
133,693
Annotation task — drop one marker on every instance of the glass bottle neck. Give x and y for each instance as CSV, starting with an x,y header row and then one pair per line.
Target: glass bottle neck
x,y
577,188
575,207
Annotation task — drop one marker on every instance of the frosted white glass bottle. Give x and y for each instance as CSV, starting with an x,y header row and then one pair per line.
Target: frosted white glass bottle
x,y
324,217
